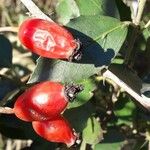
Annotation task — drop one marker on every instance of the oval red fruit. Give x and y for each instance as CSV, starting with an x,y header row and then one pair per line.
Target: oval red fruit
x,y
44,101
56,130
48,39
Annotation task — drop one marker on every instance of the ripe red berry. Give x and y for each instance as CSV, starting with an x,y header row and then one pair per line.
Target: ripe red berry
x,y
56,130
48,39
44,101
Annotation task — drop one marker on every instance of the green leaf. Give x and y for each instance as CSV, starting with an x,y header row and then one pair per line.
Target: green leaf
x,y
6,52
92,133
94,7
66,10
146,34
61,71
98,35
101,38
111,146
89,86
125,111
113,140
124,108
90,7
78,116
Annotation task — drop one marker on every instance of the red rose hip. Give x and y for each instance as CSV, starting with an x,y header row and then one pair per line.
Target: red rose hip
x,y
56,130
44,101
48,39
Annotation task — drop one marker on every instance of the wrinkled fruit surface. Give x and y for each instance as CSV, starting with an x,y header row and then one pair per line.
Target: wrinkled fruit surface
x,y
47,39
56,130
41,102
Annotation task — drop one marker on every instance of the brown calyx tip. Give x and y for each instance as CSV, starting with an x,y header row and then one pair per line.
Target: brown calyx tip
x,y
72,90
77,54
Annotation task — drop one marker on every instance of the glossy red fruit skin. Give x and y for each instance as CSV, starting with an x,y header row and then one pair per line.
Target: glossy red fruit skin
x,y
47,39
42,101
56,130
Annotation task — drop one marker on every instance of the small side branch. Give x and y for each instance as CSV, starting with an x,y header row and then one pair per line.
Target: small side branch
x,y
140,98
140,11
8,29
6,110
147,25
34,10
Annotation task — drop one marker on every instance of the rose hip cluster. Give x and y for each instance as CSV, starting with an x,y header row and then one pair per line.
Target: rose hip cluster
x,y
43,105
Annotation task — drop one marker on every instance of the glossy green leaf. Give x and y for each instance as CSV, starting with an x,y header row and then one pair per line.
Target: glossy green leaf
x,y
92,133
101,38
98,35
61,71
66,10
94,7
6,52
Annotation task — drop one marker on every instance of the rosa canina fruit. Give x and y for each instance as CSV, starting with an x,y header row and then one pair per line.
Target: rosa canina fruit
x,y
44,100
56,130
49,39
